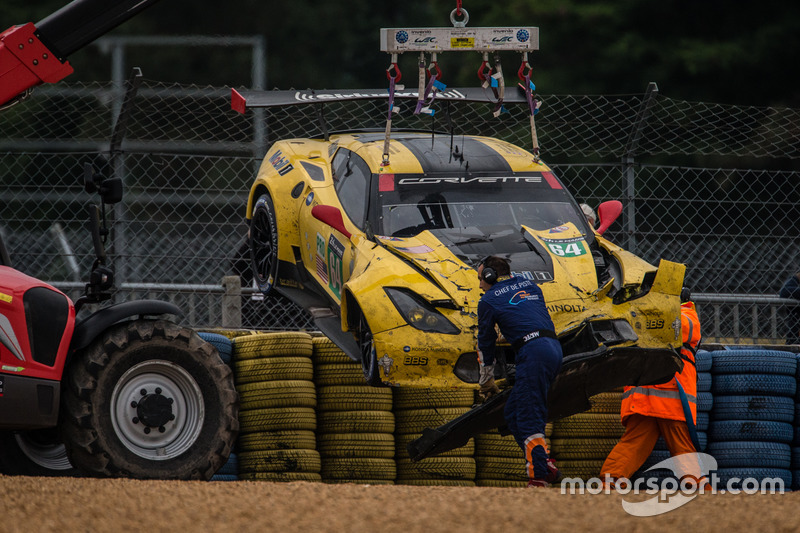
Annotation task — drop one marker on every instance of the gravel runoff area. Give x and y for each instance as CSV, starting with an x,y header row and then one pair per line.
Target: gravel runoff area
x,y
34,504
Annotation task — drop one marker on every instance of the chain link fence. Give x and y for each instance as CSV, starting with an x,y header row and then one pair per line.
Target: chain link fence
x,y
712,186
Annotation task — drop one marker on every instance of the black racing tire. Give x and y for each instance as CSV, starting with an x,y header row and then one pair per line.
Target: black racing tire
x,y
751,430
402,441
325,351
369,357
753,384
149,399
221,343
263,243
38,452
704,381
705,401
703,361
427,398
745,454
753,362
750,407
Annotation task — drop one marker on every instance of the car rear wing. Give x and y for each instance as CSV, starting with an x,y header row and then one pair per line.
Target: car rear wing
x,y
243,100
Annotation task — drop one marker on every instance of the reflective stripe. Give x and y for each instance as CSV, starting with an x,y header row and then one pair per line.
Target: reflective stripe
x,y
534,436
537,439
657,393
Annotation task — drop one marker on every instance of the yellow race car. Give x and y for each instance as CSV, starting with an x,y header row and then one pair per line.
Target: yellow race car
x,y
384,256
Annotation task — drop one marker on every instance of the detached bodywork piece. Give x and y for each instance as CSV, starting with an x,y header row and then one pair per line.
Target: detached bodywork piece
x,y
384,258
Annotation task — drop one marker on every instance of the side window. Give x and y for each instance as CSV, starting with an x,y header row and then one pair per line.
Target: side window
x,y
351,178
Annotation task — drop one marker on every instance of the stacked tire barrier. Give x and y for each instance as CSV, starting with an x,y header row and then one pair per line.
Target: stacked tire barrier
x,y
355,432
230,470
581,442
277,415
752,419
796,440
416,409
499,461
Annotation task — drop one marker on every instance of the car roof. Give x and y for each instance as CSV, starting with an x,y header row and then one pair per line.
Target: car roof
x,y
415,153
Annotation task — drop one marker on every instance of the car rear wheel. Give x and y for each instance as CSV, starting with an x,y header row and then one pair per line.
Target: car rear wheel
x,y
263,241
369,358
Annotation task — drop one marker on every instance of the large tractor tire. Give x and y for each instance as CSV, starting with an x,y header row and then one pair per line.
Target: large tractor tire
x,y
150,400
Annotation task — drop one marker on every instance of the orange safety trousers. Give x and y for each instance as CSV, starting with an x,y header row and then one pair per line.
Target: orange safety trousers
x,y
638,441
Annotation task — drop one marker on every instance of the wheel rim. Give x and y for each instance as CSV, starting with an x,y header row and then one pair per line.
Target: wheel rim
x,y
157,410
43,451
262,246
368,357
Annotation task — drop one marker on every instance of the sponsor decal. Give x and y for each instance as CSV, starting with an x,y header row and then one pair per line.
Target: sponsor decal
x,y
464,180
566,247
523,36
415,360
287,282
558,229
462,42
401,36
536,275
501,39
310,198
386,364
566,308
391,239
335,272
13,368
280,163
676,326
521,296
450,94
322,268
425,40
654,324
406,349
5,298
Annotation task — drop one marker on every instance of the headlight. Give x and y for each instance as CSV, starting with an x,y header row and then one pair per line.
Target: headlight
x,y
420,313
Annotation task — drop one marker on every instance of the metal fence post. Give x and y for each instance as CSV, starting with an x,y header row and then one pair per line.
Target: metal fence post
x,y
628,163
231,302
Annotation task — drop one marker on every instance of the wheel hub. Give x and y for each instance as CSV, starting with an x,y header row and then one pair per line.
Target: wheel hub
x,y
153,410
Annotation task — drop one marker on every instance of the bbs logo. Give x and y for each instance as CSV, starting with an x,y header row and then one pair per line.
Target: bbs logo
x,y
415,360
655,324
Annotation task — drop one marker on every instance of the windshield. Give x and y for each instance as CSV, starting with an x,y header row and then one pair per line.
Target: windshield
x,y
410,204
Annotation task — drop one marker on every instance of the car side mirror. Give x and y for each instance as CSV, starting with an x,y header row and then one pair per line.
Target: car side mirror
x,y
608,212
331,216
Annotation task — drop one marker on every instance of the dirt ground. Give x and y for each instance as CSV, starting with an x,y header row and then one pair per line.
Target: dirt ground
x,y
33,504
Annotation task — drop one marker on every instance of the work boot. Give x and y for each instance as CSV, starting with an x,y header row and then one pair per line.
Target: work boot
x,y
551,476
537,484
552,472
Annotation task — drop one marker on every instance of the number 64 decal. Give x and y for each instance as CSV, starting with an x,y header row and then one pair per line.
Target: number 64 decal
x,y
572,249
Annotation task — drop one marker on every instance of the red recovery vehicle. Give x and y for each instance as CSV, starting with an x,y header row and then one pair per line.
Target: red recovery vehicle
x,y
122,391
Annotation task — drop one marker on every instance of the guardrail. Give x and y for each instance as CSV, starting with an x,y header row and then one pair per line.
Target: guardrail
x,y
725,318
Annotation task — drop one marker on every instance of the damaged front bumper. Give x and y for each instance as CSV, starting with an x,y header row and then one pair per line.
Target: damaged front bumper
x,y
582,375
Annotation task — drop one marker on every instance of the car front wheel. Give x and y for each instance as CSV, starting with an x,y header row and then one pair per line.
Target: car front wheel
x,y
369,357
